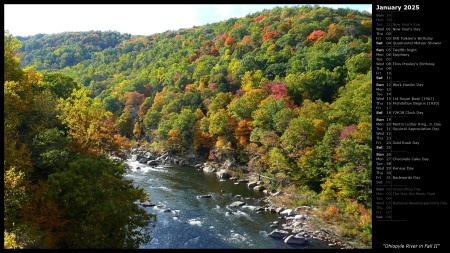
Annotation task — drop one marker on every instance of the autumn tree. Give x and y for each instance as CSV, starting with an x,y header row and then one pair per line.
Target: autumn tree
x,y
21,102
90,125
12,69
243,107
252,80
133,101
144,107
315,35
203,140
242,133
335,32
353,178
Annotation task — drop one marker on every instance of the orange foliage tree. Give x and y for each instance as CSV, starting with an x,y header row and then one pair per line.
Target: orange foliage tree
x,y
315,35
242,133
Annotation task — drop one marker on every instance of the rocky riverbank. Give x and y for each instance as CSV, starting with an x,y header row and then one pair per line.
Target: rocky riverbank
x,y
303,222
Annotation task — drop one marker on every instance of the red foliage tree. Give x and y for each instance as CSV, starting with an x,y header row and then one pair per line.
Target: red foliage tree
x,y
212,86
213,51
347,131
279,90
259,18
240,92
189,87
270,35
315,35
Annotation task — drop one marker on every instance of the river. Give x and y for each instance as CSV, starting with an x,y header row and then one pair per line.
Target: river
x,y
185,220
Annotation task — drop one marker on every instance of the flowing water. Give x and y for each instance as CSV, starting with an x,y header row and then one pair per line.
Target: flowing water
x,y
185,220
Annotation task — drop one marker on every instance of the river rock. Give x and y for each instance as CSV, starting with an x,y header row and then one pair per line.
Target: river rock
x,y
251,184
223,174
237,203
301,209
278,233
294,239
209,169
299,217
259,188
287,212
277,194
147,203
152,162
143,160
280,209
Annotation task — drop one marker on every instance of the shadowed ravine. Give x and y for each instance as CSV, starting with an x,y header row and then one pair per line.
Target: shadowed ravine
x,y
187,221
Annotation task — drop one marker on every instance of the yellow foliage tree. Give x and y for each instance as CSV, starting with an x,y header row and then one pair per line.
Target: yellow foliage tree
x,y
90,125
137,130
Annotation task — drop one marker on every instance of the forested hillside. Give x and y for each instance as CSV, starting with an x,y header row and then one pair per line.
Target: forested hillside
x,y
285,92
62,190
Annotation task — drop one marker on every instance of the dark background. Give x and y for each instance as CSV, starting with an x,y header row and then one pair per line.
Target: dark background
x,y
424,226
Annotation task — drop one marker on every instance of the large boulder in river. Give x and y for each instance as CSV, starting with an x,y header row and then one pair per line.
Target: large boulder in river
x,y
152,162
148,203
259,188
143,160
278,233
287,212
237,203
223,174
294,239
252,184
209,169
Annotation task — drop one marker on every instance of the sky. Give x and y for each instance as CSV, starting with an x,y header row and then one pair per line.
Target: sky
x,y
135,19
